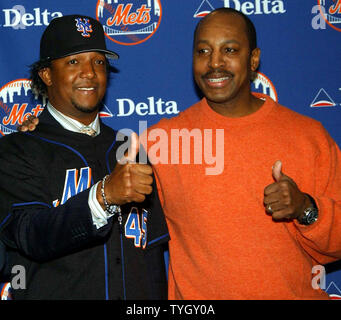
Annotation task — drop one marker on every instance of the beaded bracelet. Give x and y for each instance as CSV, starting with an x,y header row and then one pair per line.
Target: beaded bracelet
x,y
109,209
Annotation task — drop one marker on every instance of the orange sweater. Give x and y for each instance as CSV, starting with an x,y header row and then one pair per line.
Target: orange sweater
x,y
223,244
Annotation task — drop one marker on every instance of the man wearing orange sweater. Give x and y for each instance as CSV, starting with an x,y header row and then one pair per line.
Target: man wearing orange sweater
x,y
256,229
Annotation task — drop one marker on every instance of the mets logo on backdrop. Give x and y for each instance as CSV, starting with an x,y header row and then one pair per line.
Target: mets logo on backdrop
x,y
331,12
263,84
129,22
17,103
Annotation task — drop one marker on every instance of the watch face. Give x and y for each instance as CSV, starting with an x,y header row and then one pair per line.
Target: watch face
x,y
311,215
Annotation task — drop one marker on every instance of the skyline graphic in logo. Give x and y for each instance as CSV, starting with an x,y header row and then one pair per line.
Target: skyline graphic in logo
x,y
17,103
264,85
129,22
331,12
5,291
322,99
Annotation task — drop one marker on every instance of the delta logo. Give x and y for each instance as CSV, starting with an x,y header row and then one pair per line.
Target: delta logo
x,y
105,112
17,103
333,291
322,100
18,17
263,84
330,10
129,22
249,7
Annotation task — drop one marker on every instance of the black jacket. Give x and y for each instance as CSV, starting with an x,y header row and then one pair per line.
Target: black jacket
x,y
46,223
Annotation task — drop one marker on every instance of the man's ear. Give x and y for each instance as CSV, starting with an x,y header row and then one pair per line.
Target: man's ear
x,y
255,59
45,75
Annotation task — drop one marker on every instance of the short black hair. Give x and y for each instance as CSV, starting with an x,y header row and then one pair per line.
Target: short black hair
x,y
37,84
250,27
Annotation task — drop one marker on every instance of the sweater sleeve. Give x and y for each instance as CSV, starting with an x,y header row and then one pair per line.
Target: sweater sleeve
x,y
322,240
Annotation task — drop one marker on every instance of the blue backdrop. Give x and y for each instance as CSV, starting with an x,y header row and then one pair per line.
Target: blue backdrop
x,y
300,62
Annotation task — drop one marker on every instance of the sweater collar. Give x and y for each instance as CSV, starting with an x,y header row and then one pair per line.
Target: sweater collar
x,y
259,115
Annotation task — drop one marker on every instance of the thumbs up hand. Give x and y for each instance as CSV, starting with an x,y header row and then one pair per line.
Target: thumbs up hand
x,y
129,181
283,199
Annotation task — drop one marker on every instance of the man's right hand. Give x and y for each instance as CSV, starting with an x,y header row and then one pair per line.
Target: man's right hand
x,y
29,124
129,181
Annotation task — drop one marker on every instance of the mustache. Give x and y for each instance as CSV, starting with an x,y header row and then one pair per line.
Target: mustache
x,y
218,73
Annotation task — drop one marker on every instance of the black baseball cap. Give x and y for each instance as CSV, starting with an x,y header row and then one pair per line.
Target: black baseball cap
x,y
73,34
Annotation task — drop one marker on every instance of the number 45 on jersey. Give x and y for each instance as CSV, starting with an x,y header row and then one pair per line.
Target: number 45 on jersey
x,y
136,227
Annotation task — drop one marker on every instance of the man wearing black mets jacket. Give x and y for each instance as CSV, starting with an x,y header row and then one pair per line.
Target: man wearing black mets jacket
x,y
82,224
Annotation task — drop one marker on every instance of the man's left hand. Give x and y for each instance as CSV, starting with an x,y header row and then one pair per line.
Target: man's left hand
x,y
283,199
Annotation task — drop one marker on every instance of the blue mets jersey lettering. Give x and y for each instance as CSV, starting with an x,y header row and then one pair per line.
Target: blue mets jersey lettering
x,y
73,185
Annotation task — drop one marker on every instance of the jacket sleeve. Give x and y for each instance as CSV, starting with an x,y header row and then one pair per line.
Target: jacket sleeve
x,y
28,220
322,240
2,259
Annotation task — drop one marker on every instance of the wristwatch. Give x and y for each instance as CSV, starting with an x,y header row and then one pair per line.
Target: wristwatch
x,y
310,214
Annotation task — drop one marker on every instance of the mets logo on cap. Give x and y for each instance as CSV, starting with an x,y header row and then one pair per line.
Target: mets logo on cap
x,y
83,26
129,22
17,103
331,12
